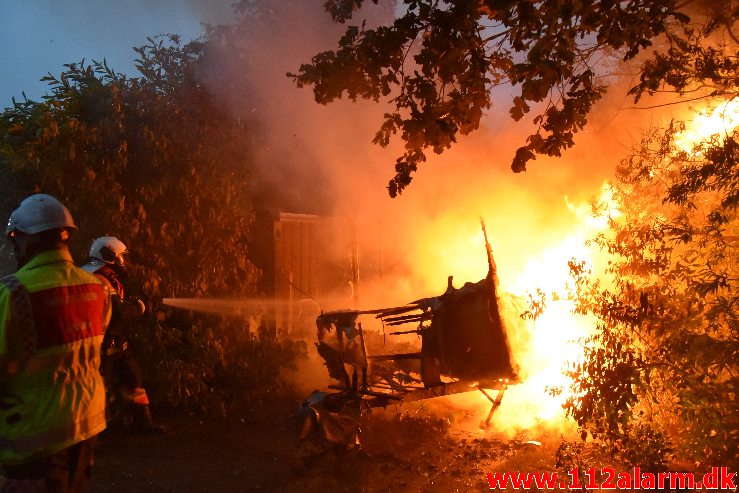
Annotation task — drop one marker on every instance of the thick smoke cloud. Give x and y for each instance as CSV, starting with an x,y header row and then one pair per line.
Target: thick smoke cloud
x,y
303,150
319,159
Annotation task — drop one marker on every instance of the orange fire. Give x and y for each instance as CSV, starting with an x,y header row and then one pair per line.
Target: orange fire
x,y
532,247
711,120
543,347
554,339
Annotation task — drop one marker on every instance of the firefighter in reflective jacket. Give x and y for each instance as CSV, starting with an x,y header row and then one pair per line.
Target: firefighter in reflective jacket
x,y
123,376
52,320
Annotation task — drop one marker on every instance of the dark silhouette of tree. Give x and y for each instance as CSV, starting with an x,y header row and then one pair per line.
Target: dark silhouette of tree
x,y
157,162
439,60
150,159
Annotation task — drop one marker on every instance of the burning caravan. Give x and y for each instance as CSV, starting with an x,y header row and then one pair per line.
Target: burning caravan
x,y
464,347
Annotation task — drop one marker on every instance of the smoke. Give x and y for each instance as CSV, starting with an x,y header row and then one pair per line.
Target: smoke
x,y
303,151
319,159
311,158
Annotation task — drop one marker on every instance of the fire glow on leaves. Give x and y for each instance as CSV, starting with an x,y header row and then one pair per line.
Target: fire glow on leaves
x,y
557,334
719,120
545,346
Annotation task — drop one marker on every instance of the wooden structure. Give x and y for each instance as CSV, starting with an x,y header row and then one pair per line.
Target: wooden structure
x,y
313,256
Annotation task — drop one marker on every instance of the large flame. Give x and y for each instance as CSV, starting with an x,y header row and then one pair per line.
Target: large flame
x,y
546,346
712,120
554,339
543,347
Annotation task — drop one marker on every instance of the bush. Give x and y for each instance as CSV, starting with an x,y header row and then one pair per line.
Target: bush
x,y
659,378
156,162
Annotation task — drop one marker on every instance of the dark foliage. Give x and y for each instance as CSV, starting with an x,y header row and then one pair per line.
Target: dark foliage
x,y
439,60
156,162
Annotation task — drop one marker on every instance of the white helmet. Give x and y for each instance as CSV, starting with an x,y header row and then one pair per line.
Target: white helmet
x,y
105,250
38,213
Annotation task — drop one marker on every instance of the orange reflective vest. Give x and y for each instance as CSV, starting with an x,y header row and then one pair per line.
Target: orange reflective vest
x,y
53,317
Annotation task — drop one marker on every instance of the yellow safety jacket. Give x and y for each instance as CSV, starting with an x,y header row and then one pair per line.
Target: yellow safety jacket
x,y
53,317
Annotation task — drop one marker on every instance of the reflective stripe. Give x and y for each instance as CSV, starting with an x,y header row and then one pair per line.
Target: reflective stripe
x,y
66,359
69,435
139,397
62,360
22,324
58,398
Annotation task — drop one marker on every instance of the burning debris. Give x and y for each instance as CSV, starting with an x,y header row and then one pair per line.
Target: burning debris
x,y
464,347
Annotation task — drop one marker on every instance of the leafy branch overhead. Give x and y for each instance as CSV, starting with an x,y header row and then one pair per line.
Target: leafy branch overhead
x,y
438,62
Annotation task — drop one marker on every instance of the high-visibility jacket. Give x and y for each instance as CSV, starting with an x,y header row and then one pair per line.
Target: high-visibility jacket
x,y
52,321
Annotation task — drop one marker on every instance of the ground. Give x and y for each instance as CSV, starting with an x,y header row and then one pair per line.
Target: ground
x,y
401,452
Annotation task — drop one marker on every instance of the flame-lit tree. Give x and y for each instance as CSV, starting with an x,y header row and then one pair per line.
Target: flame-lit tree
x,y
661,373
439,61
156,162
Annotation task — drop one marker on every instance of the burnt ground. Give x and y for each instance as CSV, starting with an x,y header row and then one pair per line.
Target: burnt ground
x,y
260,452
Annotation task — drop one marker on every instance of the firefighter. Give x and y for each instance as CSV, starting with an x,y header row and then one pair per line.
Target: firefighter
x,y
123,376
52,319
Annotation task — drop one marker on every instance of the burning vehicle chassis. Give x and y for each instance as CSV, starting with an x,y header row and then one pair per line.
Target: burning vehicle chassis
x,y
464,347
